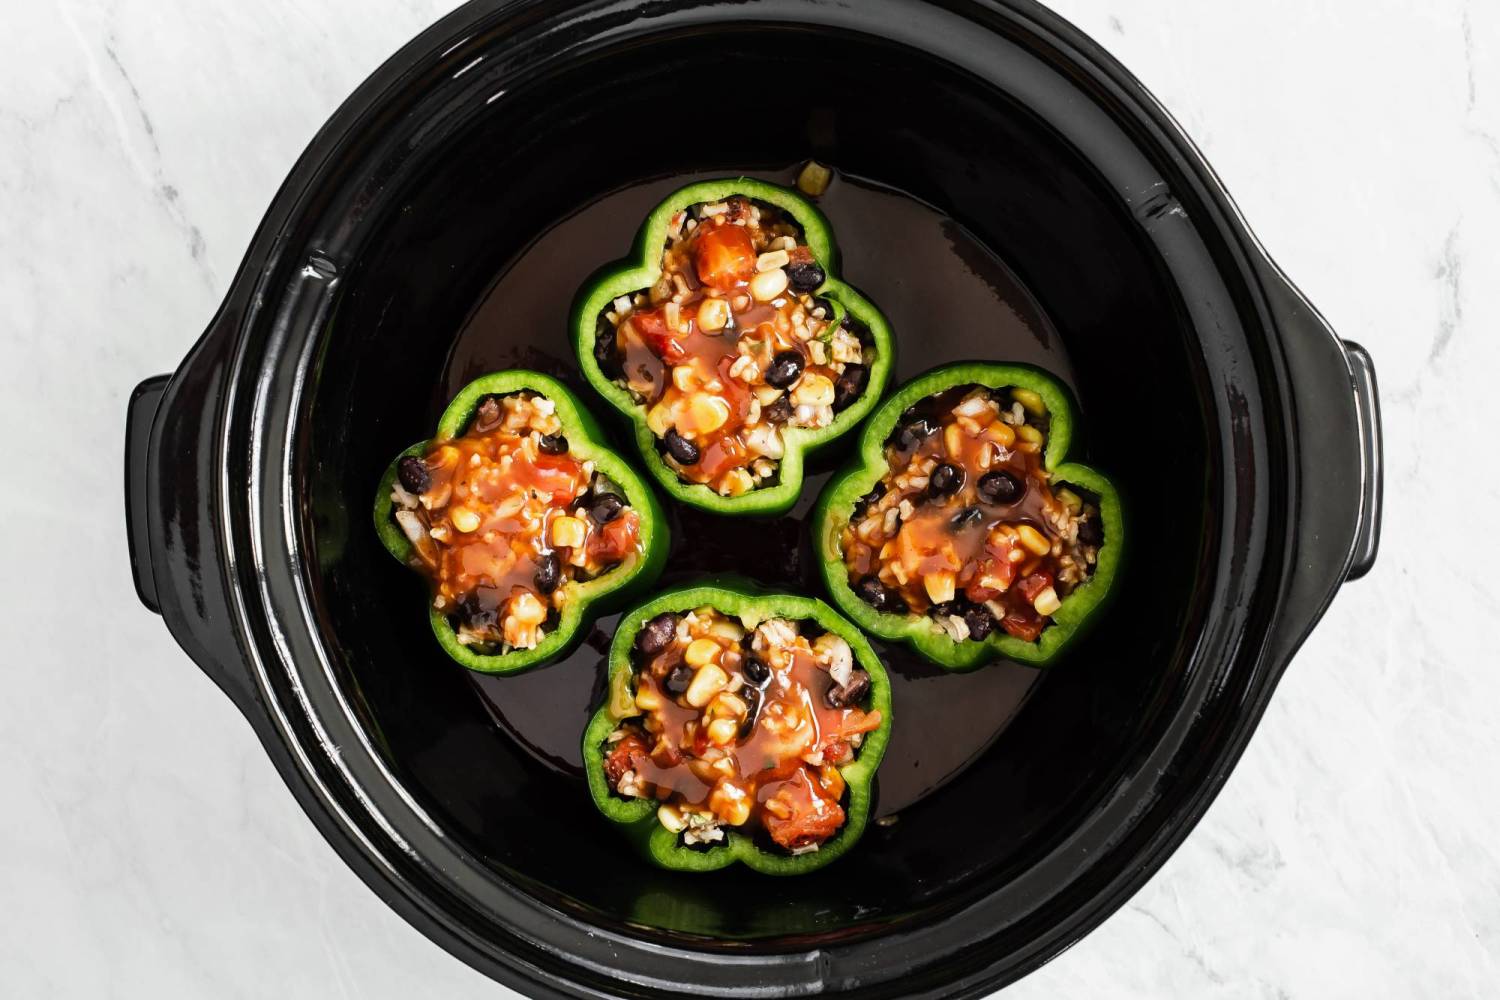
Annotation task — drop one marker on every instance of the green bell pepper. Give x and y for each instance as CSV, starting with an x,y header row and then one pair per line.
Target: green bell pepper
x,y
643,270
637,816
834,507
587,598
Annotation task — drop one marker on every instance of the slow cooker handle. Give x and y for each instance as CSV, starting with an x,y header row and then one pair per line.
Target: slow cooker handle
x,y
1367,541
171,523
139,417
1336,435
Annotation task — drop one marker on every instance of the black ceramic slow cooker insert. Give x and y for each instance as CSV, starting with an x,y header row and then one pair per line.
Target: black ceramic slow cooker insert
x,y
1005,190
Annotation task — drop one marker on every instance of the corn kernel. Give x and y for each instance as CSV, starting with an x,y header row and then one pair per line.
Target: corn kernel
x,y
701,652
684,378
1070,500
647,699
707,682
814,178
1046,602
1029,434
568,532
766,285
669,817
713,315
1001,433
1029,400
659,419
706,413
813,390
772,259
953,440
940,586
726,628
765,395
527,610
730,803
728,706
721,732
464,519
1036,542
736,482
994,583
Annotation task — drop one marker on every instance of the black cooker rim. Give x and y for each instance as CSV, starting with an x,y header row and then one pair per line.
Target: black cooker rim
x,y
1289,596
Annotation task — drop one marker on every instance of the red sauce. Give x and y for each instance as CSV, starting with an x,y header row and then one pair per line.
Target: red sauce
x,y
697,349
779,768
497,516
993,556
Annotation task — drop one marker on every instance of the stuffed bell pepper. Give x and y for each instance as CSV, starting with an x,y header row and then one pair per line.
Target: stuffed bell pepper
x,y
738,727
522,521
732,346
962,529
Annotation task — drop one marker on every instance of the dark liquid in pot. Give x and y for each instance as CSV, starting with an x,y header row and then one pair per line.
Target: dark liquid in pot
x,y
948,298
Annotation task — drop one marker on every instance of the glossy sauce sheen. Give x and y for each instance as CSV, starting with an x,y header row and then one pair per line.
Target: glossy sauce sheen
x,y
948,298
802,688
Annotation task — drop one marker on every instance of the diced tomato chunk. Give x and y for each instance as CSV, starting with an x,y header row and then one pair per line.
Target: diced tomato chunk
x,y
811,817
623,757
1035,584
725,257
721,456
617,539
854,721
1023,623
556,475
700,741
652,327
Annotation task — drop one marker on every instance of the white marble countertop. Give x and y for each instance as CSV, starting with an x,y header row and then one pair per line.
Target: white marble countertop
x,y
148,848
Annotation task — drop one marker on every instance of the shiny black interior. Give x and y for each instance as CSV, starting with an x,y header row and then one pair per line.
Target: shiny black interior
x,y
893,117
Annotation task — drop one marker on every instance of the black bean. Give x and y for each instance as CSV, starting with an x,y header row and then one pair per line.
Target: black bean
x,y
946,480
548,573
486,416
786,367
850,692
755,670
605,352
679,678
606,507
966,518
1000,487
863,504
1091,532
751,697
850,386
681,448
412,472
553,444
473,613
981,622
804,276
657,634
914,432
778,412
879,596
828,310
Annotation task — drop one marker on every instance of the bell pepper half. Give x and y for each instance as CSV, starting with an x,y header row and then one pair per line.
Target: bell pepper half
x,y
854,485
585,599
638,816
644,268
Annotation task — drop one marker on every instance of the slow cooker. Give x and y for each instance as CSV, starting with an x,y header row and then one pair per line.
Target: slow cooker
x,y
1243,434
